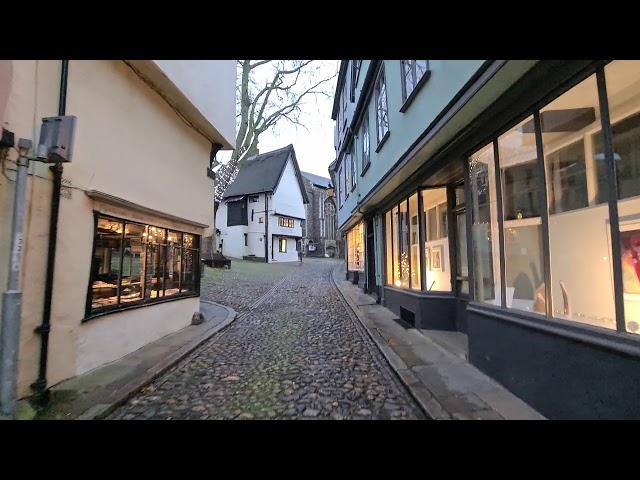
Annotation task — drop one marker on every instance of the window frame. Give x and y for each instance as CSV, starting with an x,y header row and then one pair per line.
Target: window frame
x,y
418,83
547,321
381,80
280,243
91,313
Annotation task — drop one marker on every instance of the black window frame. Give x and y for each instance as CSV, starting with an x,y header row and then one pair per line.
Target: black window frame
x,y
91,313
381,81
355,75
418,83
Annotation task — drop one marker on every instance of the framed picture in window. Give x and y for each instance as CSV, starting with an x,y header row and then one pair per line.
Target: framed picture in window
x,y
427,258
436,259
630,263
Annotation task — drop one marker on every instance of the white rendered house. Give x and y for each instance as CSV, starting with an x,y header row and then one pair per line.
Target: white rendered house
x,y
261,214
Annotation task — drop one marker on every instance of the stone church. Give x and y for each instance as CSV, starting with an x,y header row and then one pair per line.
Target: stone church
x,y
320,232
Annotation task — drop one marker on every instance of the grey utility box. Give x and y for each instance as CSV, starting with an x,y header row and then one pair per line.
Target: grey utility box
x,y
56,138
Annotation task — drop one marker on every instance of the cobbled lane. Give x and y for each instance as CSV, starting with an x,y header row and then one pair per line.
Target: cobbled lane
x,y
298,355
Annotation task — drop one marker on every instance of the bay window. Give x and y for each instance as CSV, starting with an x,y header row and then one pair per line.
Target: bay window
x,y
138,264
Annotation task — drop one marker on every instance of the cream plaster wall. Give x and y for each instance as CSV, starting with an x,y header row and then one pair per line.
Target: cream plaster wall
x,y
129,143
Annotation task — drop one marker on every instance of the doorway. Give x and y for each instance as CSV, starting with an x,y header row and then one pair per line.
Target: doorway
x,y
462,263
371,259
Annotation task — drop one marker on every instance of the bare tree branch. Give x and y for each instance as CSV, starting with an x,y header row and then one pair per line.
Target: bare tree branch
x,y
263,101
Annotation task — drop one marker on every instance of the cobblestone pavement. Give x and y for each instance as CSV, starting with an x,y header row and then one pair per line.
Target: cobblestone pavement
x,y
298,355
243,284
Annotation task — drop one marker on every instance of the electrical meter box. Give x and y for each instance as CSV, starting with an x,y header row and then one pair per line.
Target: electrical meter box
x,y
56,138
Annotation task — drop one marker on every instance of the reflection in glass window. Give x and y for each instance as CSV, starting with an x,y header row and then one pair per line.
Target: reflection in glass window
x,y
105,269
623,92
484,227
436,242
581,273
524,274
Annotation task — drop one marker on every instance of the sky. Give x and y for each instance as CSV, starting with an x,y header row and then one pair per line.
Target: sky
x,y
314,148
313,145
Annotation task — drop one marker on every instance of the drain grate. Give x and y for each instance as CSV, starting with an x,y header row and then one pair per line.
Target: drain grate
x,y
408,317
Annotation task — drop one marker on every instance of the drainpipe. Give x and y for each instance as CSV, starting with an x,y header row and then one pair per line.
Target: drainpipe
x,y
266,227
40,385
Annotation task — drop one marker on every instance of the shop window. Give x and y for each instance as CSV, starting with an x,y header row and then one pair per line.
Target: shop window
x,y
414,236
394,247
484,227
521,184
436,243
135,263
623,92
355,248
581,289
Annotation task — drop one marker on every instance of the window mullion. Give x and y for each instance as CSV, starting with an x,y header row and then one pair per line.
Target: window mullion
x,y
121,263
499,209
544,203
469,226
614,222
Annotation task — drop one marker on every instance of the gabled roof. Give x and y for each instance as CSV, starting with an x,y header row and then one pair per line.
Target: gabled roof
x,y
317,180
262,173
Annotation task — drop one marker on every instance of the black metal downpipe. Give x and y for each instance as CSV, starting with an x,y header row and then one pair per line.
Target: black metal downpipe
x,y
40,385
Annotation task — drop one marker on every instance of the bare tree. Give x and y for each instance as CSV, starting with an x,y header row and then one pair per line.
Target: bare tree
x,y
268,92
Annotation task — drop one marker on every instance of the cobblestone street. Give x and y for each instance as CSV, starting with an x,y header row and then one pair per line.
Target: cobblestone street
x,y
296,355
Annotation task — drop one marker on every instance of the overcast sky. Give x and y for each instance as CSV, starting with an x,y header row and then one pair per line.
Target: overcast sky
x,y
313,144
314,148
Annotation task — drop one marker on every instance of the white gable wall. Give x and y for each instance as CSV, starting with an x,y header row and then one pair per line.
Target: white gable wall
x,y
286,201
